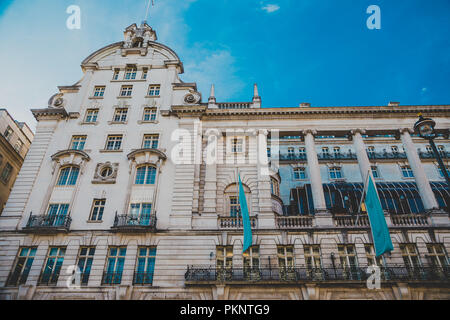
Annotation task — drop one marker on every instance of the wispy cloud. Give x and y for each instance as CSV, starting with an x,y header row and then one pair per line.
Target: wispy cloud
x,y
269,8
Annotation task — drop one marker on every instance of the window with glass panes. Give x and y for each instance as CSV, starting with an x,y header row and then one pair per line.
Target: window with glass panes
x,y
145,266
150,114
18,146
120,115
269,154
114,265
145,175
394,149
236,145
154,90
291,152
312,256
299,173
441,150
116,74
429,149
325,150
52,269
91,115
335,173
68,176
370,151
224,257
98,207
150,141
347,256
141,213
437,255
410,255
22,266
251,258
99,91
144,73
126,91
6,173
274,186
285,257
372,259
85,259
130,73
407,172
337,150
442,173
78,142
113,143
8,133
235,211
57,214
302,152
375,172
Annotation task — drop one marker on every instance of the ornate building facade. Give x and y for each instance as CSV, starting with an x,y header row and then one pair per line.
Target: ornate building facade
x,y
15,140
131,179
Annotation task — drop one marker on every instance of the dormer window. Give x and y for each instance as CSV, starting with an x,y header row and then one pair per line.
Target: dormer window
x,y
130,73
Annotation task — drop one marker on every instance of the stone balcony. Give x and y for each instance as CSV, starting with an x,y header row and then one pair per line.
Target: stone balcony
x,y
235,223
294,222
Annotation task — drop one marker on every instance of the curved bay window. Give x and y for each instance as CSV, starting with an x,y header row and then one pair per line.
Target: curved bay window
x,y
68,176
145,175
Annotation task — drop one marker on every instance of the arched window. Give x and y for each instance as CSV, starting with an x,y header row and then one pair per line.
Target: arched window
x,y
68,176
232,206
145,175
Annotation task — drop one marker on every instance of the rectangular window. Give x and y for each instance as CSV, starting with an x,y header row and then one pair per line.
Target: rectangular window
x,y
375,172
291,152
140,214
120,115
372,260
114,265
126,91
22,266
274,187
91,116
52,269
236,145
99,91
56,214
78,142
335,173
151,141
145,175
269,153
251,258
325,150
130,73
370,151
116,74
224,257
114,143
68,176
429,149
337,150
394,149
6,173
299,173
312,256
144,73
154,90
98,207
407,172
85,259
410,255
150,114
8,133
145,266
441,173
437,255
349,261
285,257
18,146
235,211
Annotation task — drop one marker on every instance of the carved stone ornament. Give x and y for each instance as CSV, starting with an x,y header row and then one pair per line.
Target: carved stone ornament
x,y
56,101
106,173
192,98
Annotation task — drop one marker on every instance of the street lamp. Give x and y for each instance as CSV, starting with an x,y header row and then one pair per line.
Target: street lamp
x,y
425,127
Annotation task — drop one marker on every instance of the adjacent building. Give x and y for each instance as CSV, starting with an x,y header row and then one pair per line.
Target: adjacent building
x,y
132,180
15,140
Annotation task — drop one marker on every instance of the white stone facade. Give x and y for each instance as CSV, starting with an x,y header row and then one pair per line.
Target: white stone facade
x,y
183,200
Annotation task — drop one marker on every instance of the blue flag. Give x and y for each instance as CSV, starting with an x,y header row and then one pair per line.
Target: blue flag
x,y
245,217
380,231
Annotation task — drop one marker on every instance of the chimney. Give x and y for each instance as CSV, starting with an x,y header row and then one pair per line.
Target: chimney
x,y
305,105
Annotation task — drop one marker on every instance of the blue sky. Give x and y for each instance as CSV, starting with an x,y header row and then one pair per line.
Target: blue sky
x,y
316,51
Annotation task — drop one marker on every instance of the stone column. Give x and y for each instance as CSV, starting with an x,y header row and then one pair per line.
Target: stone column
x,y
314,172
361,153
423,184
322,215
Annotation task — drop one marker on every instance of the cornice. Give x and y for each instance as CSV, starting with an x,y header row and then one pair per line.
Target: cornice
x,y
63,153
50,114
159,153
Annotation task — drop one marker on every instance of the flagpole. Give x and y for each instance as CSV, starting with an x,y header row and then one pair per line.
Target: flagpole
x,y
362,198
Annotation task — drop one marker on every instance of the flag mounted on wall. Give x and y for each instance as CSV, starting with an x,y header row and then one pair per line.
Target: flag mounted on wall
x,y
245,217
380,231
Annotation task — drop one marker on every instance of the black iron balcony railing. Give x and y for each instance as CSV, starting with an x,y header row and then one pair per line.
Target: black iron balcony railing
x,y
143,278
202,274
48,223
133,223
49,278
112,278
386,155
430,155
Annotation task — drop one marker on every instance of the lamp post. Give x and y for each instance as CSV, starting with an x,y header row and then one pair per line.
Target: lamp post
x,y
425,128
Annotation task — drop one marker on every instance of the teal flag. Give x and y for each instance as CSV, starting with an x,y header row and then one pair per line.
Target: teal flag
x,y
380,231
245,217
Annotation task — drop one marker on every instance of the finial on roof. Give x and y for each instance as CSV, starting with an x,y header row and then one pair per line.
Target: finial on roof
x,y
256,97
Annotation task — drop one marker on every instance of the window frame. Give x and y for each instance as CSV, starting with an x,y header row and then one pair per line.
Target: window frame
x,y
21,275
116,140
97,210
126,91
81,141
55,267
99,91
152,138
145,277
86,264
154,90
